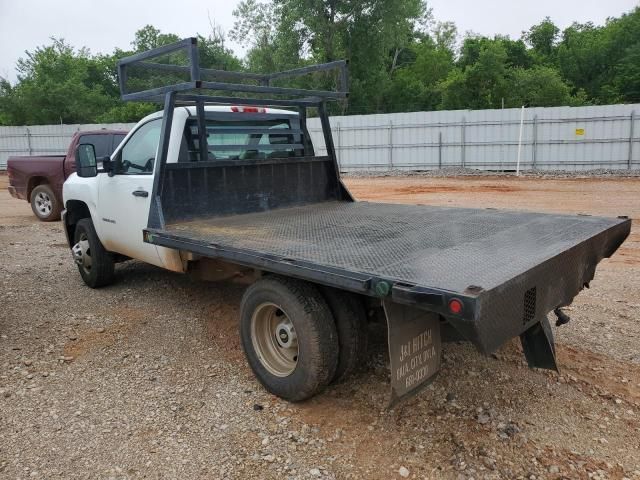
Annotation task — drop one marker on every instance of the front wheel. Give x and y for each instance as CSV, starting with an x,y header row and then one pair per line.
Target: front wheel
x,y
95,264
289,337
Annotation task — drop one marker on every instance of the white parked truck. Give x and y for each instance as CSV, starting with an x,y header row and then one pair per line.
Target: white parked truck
x,y
225,186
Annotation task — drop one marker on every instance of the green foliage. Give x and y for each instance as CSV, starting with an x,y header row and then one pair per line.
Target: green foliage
x,y
149,37
399,60
57,84
415,84
127,112
539,86
480,84
603,61
372,34
543,38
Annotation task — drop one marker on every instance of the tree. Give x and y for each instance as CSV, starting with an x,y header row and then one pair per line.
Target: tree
x,y
56,84
7,108
415,84
582,57
624,86
400,60
126,112
603,61
516,51
543,38
445,35
481,84
373,35
149,37
268,32
540,86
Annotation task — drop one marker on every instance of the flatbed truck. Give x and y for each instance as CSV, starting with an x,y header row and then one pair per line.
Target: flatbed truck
x,y
223,185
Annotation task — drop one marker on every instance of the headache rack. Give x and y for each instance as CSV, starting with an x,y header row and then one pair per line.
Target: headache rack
x,y
191,84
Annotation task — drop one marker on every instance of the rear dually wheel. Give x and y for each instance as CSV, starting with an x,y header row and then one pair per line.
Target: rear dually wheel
x,y
289,337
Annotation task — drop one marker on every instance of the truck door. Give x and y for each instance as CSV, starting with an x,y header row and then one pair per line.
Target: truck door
x,y
124,198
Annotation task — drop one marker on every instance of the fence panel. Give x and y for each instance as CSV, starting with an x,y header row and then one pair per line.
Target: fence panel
x,y
558,138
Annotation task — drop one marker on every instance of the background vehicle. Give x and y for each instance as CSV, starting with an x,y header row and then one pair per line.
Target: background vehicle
x,y
39,179
235,191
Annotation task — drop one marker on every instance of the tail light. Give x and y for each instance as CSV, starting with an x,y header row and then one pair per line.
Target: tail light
x,y
455,306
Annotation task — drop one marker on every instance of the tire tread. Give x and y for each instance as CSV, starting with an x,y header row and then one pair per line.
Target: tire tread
x,y
351,324
56,208
103,265
319,330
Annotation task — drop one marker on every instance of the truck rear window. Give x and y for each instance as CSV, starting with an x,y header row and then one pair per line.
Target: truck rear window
x,y
243,140
117,140
102,143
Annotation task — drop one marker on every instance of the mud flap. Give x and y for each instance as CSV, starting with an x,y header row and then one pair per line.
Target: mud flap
x,y
537,343
414,348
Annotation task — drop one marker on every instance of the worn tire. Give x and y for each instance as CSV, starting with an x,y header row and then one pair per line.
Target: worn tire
x,y
44,204
317,339
102,268
351,324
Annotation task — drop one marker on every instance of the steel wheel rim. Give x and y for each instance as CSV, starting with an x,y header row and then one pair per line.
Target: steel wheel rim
x,y
274,339
82,253
43,204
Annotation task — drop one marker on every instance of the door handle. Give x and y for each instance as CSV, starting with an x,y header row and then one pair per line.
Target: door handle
x,y
140,193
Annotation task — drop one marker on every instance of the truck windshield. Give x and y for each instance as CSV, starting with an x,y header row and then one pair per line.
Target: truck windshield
x,y
244,139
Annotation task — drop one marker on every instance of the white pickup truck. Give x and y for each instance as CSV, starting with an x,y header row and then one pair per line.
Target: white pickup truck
x,y
118,198
227,188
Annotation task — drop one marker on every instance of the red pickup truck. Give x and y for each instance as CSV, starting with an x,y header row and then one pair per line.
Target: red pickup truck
x,y
39,179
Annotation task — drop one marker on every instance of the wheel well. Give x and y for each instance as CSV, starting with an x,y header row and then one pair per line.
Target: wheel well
x,y
76,210
34,182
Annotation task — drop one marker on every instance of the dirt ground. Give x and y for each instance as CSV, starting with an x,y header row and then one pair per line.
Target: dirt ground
x,y
147,379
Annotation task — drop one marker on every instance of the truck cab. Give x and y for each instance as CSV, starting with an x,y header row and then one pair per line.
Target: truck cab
x,y
119,197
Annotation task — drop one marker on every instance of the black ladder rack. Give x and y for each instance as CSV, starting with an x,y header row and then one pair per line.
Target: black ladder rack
x,y
194,90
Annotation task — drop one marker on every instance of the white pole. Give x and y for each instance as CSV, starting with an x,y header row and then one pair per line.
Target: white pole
x,y
520,141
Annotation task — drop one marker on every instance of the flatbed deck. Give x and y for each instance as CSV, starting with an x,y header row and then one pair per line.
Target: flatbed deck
x,y
435,247
490,258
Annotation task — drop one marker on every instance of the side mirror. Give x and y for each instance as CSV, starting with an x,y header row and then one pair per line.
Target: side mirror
x,y
86,164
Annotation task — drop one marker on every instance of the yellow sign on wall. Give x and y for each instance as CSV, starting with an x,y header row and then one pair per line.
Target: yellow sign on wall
x,y
579,131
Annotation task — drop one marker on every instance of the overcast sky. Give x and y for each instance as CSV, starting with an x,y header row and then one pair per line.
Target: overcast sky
x,y
103,25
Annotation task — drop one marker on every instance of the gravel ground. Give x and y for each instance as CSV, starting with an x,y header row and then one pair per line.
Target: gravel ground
x,y
146,378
